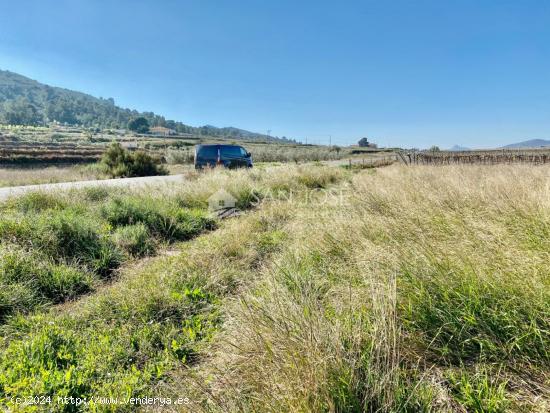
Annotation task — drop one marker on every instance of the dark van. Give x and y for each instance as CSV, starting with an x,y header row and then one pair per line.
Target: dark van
x,y
229,156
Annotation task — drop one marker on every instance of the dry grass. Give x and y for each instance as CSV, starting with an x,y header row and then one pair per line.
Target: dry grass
x,y
45,175
126,336
427,291
401,289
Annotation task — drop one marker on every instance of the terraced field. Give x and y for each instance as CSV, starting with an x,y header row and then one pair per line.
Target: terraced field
x,y
70,145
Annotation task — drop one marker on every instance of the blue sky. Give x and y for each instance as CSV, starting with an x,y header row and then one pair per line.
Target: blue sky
x,y
405,73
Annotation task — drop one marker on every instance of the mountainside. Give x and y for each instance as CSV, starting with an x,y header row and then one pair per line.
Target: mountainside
x,y
24,101
532,143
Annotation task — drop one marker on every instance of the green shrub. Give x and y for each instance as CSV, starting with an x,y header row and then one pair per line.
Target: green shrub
x,y
135,240
116,159
119,162
144,164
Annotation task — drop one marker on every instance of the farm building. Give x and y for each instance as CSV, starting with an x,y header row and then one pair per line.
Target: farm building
x,y
162,131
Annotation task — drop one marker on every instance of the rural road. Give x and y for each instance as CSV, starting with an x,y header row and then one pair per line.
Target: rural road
x,y
11,191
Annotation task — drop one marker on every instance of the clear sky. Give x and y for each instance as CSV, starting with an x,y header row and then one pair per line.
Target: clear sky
x,y
407,73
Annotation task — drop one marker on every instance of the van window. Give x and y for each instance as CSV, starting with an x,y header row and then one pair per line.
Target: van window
x,y
231,152
208,152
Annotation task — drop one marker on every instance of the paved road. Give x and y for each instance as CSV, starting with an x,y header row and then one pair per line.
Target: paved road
x,y
11,191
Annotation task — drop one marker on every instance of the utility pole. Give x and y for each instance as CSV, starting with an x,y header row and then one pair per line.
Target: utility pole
x,y
329,141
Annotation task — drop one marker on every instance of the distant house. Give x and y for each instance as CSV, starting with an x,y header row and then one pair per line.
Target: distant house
x,y
162,131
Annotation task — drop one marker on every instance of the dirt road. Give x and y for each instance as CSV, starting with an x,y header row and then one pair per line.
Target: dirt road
x,y
8,192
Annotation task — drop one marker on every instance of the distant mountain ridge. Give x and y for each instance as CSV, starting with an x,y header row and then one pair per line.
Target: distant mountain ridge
x,y
24,101
458,148
532,143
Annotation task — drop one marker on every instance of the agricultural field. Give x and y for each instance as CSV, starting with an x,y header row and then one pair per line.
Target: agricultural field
x,y
421,288
36,155
482,157
21,145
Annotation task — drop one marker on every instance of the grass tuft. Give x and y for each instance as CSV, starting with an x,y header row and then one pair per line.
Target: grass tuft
x,y
135,240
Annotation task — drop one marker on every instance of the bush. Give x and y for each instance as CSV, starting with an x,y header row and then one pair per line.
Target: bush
x,y
118,162
144,164
135,240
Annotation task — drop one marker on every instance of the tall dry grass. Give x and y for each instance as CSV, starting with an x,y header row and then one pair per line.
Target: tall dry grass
x,y
138,320
46,175
427,290
400,289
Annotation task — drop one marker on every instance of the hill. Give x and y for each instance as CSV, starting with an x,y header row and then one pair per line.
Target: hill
x,y
24,101
459,148
533,143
